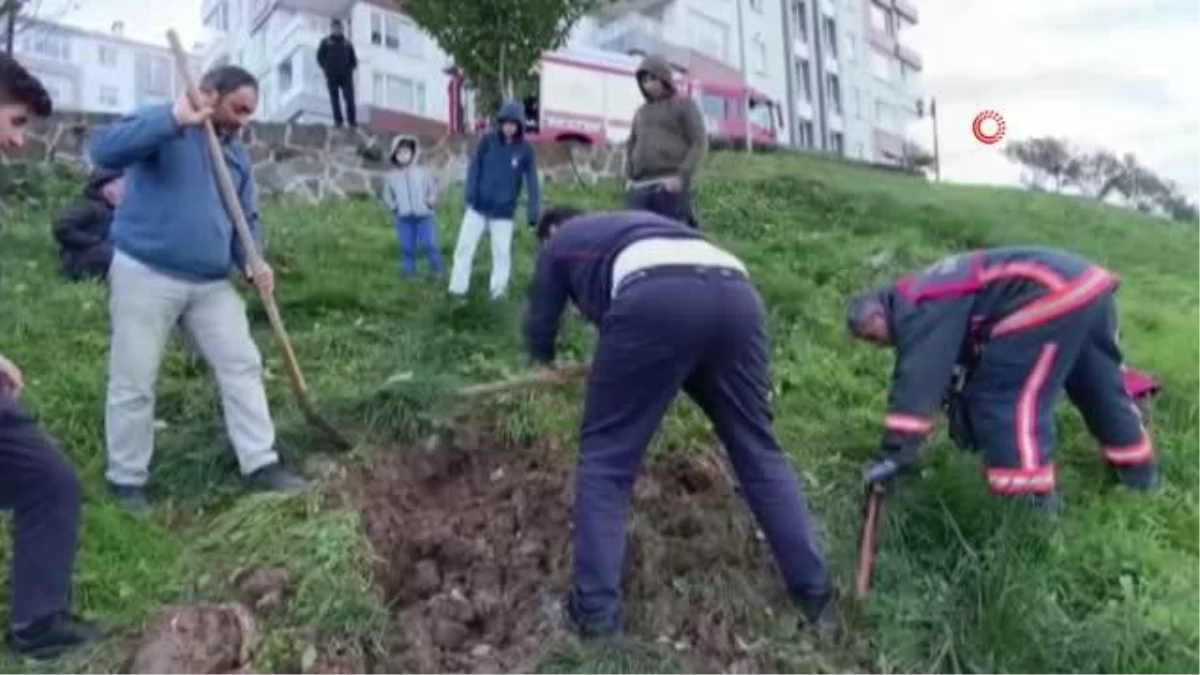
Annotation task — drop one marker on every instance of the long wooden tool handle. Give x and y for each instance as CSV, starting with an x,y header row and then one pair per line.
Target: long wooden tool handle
x,y
866,546
557,376
229,195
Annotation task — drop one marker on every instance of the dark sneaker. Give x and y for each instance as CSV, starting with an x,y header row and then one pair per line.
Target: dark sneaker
x,y
132,498
595,629
1144,478
50,637
276,478
820,612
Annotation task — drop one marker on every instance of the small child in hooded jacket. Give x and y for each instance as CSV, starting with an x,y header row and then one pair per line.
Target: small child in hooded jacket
x,y
410,194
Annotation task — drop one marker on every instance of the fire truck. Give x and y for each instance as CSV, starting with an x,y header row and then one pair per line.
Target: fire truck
x,y
590,97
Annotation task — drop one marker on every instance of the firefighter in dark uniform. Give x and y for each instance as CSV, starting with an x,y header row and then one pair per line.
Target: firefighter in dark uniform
x,y
996,335
673,312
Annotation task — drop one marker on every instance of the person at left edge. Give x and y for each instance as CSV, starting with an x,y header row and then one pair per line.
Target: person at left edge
x,y
172,263
673,312
37,482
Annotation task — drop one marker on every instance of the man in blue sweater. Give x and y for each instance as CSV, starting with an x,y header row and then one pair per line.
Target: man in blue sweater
x,y
37,482
175,248
674,312
502,162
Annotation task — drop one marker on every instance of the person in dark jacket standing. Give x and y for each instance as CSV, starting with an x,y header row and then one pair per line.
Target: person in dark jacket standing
x,y
82,229
502,162
37,482
1020,324
666,143
673,312
337,59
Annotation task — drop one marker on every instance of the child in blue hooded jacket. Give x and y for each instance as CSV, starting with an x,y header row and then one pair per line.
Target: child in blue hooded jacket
x,y
503,161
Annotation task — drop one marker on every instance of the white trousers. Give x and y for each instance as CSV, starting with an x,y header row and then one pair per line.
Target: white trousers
x,y
501,233
144,307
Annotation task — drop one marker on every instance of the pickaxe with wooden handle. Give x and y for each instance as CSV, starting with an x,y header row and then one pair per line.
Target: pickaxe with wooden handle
x,y
254,259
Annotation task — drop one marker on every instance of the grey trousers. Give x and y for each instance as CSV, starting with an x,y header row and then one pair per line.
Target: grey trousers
x,y
144,307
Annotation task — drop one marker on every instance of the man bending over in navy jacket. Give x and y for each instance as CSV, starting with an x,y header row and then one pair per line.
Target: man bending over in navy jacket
x,y
673,312
1021,325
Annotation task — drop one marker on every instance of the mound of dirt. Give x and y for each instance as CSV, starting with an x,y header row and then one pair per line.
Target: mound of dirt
x,y
204,638
472,543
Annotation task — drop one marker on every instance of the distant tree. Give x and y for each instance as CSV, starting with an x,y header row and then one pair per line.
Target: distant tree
x,y
497,43
1049,160
16,15
1100,173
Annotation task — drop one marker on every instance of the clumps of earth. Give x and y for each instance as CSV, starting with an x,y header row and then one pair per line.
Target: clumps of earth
x,y
472,546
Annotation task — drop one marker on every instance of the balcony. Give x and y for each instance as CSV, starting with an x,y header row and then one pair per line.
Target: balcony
x,y
614,10
906,9
909,55
633,32
329,8
800,48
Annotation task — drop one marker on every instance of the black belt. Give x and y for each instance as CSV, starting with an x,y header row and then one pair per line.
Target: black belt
x,y
713,272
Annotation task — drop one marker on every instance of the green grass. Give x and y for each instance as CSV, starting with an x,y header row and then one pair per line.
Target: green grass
x,y
963,583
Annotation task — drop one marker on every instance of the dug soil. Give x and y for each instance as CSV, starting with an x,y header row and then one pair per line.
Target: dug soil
x,y
471,538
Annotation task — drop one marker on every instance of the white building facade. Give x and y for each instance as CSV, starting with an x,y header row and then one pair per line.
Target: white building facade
x,y
683,30
400,68
843,72
95,71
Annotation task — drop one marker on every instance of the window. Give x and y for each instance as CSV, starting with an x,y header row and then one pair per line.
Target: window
x,y
851,47
109,96
838,141
107,55
881,19
152,73
858,113
804,133
833,89
709,36
762,116
803,80
218,18
399,93
881,66
712,106
286,77
60,89
47,43
831,47
259,46
885,115
800,17
760,55
396,33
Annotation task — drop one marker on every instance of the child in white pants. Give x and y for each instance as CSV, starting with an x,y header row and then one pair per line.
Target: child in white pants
x,y
502,163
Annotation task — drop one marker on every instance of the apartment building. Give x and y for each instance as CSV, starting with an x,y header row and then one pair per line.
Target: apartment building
x,y
854,80
843,72
701,36
96,71
400,84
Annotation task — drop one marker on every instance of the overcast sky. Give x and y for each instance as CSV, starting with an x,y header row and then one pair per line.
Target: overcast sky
x,y
1116,73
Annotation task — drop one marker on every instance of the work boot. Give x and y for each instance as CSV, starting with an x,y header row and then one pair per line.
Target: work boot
x,y
52,636
276,478
132,498
1142,477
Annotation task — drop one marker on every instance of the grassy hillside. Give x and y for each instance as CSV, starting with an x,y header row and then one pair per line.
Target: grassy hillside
x,y
962,583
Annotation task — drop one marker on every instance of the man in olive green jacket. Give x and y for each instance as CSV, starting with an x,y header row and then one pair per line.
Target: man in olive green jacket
x,y
666,143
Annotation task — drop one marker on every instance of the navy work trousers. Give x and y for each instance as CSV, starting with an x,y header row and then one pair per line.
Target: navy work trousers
x,y
41,488
702,330
1011,393
657,199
